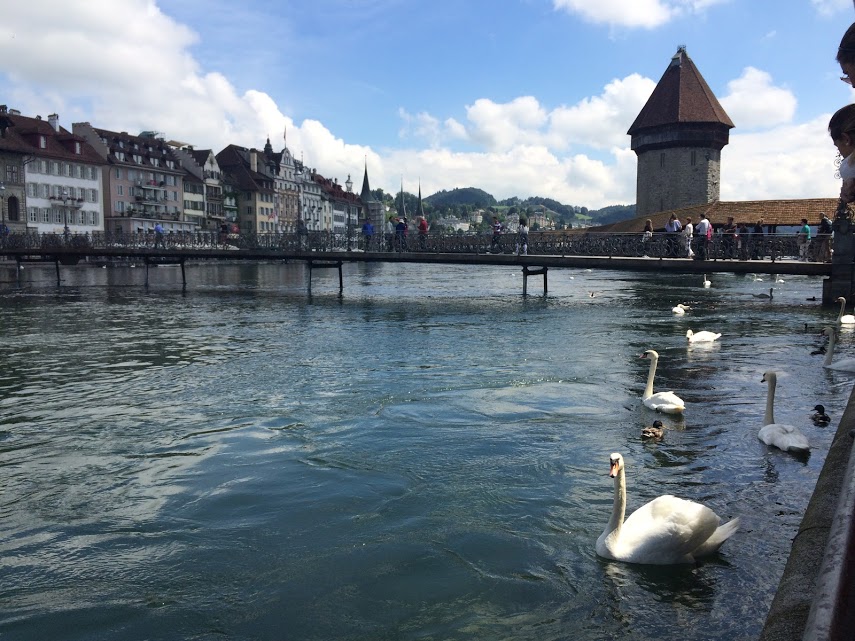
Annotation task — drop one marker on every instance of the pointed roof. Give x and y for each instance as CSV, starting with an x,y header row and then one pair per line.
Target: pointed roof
x,y
365,194
681,96
403,212
421,211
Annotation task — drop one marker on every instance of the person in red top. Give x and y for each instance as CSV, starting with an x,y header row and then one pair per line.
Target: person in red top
x,y
423,230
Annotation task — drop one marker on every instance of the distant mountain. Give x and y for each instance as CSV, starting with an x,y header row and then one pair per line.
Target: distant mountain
x,y
612,214
461,196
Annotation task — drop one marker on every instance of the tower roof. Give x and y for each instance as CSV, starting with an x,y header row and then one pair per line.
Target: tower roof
x,y
681,96
366,190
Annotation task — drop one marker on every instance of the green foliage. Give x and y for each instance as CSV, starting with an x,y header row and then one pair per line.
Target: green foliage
x,y
461,196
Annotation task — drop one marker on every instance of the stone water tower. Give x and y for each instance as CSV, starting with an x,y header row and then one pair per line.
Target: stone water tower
x,y
678,138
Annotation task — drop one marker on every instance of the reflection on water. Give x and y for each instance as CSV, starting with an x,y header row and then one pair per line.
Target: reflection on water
x,y
424,455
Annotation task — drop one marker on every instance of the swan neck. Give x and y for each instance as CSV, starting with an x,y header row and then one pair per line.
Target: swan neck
x,y
619,505
829,351
651,373
842,309
770,403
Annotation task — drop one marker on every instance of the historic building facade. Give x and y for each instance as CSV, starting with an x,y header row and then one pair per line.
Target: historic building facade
x,y
678,137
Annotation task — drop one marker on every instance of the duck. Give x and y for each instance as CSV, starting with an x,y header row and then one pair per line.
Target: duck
x,y
680,309
819,417
844,319
653,432
702,337
706,282
769,295
785,437
843,364
665,402
666,531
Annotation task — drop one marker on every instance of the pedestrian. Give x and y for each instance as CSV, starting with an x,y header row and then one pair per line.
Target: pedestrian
x,y
422,228
224,234
729,238
823,239
401,235
704,237
804,240
647,238
688,230
158,235
302,234
367,235
390,233
672,228
757,252
522,237
742,241
497,234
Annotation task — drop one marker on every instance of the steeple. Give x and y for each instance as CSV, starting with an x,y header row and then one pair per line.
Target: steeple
x,y
268,148
365,195
403,211
421,211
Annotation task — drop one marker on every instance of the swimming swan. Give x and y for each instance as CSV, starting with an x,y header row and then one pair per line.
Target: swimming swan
x,y
780,435
844,319
665,531
769,295
680,309
701,337
706,282
842,365
666,402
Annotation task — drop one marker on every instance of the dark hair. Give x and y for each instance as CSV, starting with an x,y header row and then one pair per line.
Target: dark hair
x,y
846,50
842,122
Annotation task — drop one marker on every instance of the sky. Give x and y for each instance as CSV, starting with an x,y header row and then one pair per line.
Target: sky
x,y
515,97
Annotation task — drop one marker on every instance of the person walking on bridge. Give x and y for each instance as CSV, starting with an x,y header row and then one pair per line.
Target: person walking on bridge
x,y
704,237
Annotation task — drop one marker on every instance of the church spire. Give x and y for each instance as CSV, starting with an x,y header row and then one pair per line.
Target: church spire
x,y
403,210
421,211
365,195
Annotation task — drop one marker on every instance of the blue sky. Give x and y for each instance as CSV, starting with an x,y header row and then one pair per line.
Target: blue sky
x,y
518,97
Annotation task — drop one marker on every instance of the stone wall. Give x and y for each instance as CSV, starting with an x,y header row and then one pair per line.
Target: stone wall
x,y
677,177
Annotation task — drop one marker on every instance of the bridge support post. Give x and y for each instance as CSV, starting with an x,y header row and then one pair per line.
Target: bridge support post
x,y
183,276
18,269
533,272
58,279
312,265
146,271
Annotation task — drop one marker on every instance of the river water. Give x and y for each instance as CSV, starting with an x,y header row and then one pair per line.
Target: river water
x,y
422,457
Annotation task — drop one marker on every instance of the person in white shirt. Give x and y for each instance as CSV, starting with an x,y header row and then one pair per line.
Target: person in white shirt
x,y
704,236
688,228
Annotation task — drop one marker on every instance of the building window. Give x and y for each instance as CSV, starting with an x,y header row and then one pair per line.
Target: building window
x,y
93,217
120,189
42,142
12,174
32,214
118,172
77,148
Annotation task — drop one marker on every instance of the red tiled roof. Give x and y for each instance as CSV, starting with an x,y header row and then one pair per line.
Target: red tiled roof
x,y
773,212
23,136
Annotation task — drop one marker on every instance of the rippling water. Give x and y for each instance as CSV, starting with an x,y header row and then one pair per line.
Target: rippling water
x,y
423,457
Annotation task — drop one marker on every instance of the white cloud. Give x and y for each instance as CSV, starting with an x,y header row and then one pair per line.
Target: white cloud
x,y
644,14
754,102
502,126
790,161
831,7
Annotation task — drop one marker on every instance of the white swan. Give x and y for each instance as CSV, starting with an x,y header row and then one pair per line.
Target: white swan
x,y
680,309
844,319
665,531
667,402
842,365
780,435
778,279
701,337
706,282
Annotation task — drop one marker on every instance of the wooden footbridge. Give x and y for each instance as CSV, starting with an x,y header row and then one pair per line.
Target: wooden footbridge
x,y
773,254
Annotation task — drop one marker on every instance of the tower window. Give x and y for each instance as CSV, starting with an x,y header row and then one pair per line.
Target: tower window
x,y
661,160
694,157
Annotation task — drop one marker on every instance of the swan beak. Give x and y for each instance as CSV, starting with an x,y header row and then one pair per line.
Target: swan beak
x,y
613,471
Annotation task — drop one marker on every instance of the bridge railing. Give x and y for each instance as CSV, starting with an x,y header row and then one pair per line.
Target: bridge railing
x,y
568,243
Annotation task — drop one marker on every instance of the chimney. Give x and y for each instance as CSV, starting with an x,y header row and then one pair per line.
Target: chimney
x,y
253,160
53,119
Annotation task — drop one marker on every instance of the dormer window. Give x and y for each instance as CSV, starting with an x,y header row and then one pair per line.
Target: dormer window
x,y
77,148
42,142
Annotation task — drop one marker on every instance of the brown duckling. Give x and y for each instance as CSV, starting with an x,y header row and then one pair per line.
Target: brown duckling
x,y
820,417
654,432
